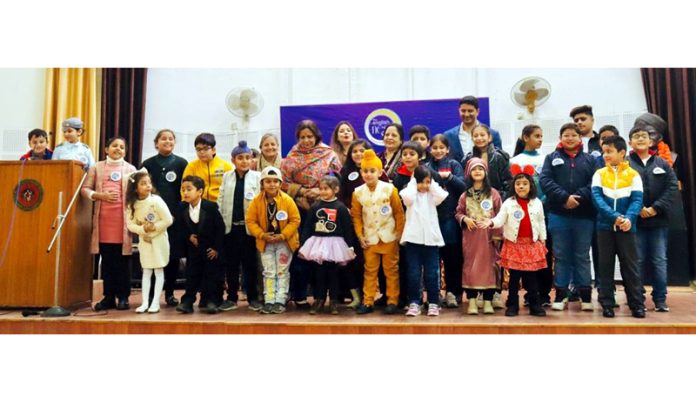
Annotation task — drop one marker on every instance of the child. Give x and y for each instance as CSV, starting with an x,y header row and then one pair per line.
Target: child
x,y
149,218
659,187
204,231
421,239
480,201
239,187
565,180
524,252
420,134
208,166
38,141
617,193
105,185
411,155
72,148
270,155
604,133
273,219
325,240
527,153
452,175
343,135
166,170
378,218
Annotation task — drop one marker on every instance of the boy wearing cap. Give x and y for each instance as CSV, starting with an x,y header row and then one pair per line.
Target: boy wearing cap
x,y
72,148
208,166
38,141
273,219
378,218
238,189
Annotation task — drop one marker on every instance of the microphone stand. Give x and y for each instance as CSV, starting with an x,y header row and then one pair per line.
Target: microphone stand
x,y
56,310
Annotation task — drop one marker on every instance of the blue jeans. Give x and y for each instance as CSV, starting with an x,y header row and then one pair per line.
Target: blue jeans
x,y
652,260
427,257
572,239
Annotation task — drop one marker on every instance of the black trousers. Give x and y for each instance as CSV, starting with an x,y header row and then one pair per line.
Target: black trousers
x,y
351,274
622,244
452,258
204,275
115,270
472,293
326,273
529,281
240,249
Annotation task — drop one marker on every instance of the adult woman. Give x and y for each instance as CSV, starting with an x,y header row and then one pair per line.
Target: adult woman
x,y
391,156
342,136
270,152
302,168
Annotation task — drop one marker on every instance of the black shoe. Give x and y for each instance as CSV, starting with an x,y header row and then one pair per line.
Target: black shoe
x,y
186,308
364,309
638,313
302,305
537,311
381,302
608,312
123,305
333,308
267,309
172,301
211,308
512,311
391,309
317,306
105,304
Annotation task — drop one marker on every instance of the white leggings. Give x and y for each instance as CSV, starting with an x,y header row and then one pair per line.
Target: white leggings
x,y
159,284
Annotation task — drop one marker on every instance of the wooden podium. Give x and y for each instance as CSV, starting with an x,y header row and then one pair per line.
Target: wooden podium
x,y
29,198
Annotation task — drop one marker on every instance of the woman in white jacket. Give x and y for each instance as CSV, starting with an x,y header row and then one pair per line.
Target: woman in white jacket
x,y
422,239
524,252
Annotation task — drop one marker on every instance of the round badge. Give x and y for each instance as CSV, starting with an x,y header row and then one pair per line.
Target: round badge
x,y
249,195
281,215
115,176
518,215
486,205
170,176
28,194
150,217
353,176
385,210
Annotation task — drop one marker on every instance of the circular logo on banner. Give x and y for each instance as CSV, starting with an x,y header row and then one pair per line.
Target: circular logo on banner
x,y
282,215
353,176
115,176
518,215
486,205
385,210
377,121
170,176
249,195
28,194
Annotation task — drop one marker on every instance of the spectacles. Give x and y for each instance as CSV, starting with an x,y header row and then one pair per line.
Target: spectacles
x,y
641,136
203,149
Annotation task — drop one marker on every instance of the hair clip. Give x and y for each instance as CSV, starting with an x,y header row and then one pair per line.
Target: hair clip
x,y
516,169
131,175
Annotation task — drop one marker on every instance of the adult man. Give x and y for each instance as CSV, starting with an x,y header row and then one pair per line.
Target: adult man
x,y
582,116
459,137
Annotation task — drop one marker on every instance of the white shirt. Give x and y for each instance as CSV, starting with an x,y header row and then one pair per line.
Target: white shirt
x,y
466,140
195,212
422,226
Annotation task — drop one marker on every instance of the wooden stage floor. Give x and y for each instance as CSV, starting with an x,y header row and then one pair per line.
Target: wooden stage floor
x,y
680,320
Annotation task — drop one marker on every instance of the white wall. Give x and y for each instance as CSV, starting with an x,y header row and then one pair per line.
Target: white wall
x,y
191,101
21,108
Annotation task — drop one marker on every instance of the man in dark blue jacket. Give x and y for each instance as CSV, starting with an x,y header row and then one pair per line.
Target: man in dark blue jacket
x,y
659,188
565,179
459,136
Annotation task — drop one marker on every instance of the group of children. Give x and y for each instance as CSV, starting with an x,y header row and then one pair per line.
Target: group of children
x,y
486,220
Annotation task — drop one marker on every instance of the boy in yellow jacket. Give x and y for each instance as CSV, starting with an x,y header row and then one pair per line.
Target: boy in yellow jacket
x,y
378,218
273,220
208,166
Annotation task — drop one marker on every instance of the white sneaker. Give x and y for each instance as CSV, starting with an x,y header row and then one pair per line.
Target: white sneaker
x,y
560,306
155,308
473,307
488,307
433,310
586,306
498,301
142,308
413,310
451,300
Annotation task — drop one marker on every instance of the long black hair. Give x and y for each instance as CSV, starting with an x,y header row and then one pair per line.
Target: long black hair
x,y
526,132
350,166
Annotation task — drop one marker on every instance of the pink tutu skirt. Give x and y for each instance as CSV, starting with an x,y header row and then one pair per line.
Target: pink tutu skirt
x,y
330,248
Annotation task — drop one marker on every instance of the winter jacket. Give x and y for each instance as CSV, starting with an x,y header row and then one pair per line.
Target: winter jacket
x,y
617,191
511,214
422,226
563,176
257,220
499,175
211,172
659,188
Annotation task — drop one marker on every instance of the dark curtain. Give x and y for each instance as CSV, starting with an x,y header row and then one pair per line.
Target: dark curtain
x,y
671,94
123,109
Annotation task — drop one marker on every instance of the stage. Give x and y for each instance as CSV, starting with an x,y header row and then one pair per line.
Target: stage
x,y
680,320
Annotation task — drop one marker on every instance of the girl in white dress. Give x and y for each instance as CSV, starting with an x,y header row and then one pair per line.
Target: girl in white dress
x,y
149,218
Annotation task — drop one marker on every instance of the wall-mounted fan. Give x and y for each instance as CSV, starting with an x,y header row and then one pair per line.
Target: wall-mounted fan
x,y
531,92
244,102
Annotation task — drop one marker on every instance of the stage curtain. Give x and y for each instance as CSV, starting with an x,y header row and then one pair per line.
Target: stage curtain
x,y
123,109
671,94
73,92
